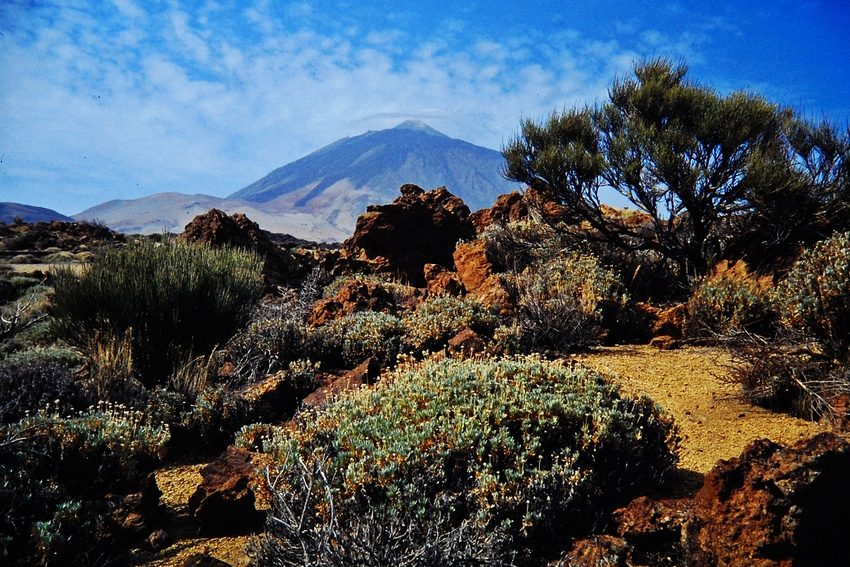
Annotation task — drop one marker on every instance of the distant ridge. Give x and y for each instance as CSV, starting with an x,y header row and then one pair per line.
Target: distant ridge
x,y
320,196
28,213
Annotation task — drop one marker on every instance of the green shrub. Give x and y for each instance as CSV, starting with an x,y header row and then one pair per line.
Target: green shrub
x,y
515,246
805,367
731,299
559,304
439,319
815,297
178,300
460,463
356,337
55,473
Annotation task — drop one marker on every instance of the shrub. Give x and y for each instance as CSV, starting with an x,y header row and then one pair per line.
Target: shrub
x,y
515,246
55,471
459,463
559,304
30,380
815,297
805,368
356,337
177,300
732,298
439,319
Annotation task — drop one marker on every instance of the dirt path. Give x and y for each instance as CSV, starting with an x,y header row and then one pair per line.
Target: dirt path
x,y
713,422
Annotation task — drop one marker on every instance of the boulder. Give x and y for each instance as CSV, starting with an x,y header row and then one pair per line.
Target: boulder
x,y
439,281
238,231
774,506
366,373
355,295
472,264
493,294
466,343
508,208
223,503
417,228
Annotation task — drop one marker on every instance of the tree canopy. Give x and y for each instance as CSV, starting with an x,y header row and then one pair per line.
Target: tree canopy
x,y
715,176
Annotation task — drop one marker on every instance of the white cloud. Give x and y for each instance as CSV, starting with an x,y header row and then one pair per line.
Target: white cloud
x,y
189,104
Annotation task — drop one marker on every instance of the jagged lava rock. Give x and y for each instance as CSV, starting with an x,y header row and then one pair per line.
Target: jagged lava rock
x,y
355,295
775,506
224,502
367,373
238,231
417,228
440,281
510,207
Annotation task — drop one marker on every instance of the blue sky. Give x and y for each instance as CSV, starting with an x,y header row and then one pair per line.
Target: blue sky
x,y
104,100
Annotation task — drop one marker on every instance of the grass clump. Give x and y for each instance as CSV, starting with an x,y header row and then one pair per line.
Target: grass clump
x,y
177,301
459,463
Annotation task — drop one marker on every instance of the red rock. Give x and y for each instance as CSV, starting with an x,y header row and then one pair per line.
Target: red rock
x,y
493,294
355,295
599,550
508,208
775,506
472,264
670,321
366,373
224,501
467,343
439,281
417,228
664,342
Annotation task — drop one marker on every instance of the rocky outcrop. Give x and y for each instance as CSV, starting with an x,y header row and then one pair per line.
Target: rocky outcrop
x,y
238,231
774,506
417,228
466,343
223,504
355,295
510,207
476,272
440,281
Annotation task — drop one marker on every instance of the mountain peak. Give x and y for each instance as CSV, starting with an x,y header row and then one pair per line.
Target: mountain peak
x,y
419,126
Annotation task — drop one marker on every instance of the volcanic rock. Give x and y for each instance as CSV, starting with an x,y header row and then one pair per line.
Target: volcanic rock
x,y
366,373
355,295
224,503
417,228
238,231
510,207
439,281
775,506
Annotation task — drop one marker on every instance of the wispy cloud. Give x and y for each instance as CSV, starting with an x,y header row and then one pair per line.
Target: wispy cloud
x,y
124,99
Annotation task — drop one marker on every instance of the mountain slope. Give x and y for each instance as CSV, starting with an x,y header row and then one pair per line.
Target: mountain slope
x,y
28,213
338,181
172,211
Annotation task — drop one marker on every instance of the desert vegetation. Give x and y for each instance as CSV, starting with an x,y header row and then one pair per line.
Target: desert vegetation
x,y
426,409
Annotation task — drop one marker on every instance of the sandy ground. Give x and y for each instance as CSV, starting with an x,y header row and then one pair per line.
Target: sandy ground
x,y
713,424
